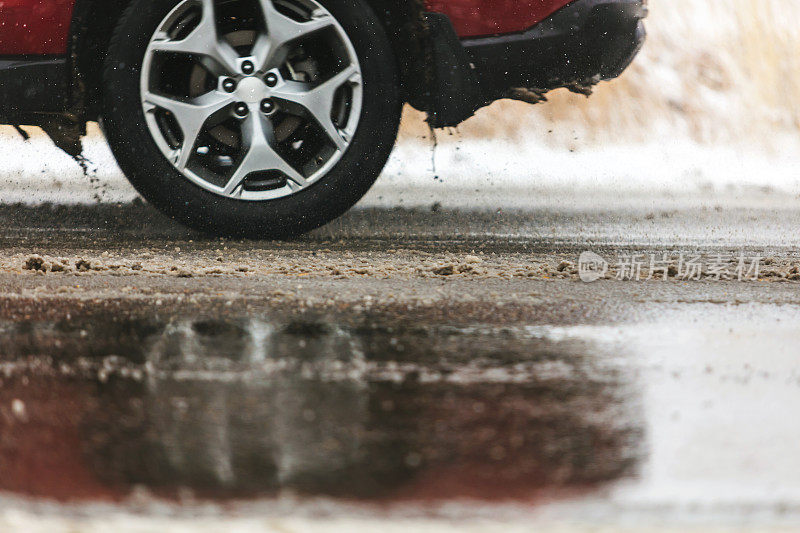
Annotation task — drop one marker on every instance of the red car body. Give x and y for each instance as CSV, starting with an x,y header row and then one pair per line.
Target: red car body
x,y
477,18
35,27
41,27
464,55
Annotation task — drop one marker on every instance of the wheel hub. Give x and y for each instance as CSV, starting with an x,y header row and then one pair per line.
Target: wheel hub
x,y
251,90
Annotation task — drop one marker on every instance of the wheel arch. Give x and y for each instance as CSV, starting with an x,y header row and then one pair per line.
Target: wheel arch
x,y
94,21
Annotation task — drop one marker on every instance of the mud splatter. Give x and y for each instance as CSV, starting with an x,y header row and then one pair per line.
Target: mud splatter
x,y
24,134
67,135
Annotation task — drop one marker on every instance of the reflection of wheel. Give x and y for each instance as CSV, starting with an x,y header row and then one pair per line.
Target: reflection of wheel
x,y
260,118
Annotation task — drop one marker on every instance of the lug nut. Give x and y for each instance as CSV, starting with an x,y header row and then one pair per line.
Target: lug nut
x,y
267,106
248,67
241,110
229,85
271,79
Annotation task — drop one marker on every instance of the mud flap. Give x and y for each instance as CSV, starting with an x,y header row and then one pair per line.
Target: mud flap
x,y
455,93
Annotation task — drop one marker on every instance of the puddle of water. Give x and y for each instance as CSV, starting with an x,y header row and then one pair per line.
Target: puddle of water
x,y
95,409
691,418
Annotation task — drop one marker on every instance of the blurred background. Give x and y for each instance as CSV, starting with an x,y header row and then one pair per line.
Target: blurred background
x,y
711,105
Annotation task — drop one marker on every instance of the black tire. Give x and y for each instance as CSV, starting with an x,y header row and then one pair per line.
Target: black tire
x,y
159,182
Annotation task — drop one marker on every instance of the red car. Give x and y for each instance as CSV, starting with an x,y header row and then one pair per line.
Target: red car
x,y
268,118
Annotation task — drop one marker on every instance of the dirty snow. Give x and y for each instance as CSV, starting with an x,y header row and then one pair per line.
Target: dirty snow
x,y
468,174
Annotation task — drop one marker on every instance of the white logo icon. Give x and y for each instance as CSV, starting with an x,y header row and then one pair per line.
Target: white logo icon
x,y
591,267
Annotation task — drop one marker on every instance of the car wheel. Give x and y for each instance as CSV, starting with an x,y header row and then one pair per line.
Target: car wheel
x,y
255,118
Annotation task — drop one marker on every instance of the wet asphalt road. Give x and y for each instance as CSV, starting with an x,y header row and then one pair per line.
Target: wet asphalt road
x,y
440,368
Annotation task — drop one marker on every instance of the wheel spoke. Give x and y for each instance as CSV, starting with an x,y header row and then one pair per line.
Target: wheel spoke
x,y
270,48
233,129
258,136
318,101
267,54
191,116
202,41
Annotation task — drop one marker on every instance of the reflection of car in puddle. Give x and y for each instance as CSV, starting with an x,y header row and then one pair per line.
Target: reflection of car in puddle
x,y
252,408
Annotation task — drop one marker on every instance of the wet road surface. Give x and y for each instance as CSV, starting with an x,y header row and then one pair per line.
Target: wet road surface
x,y
442,369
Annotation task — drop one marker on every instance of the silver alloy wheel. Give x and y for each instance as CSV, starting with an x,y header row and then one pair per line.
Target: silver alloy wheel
x,y
252,108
